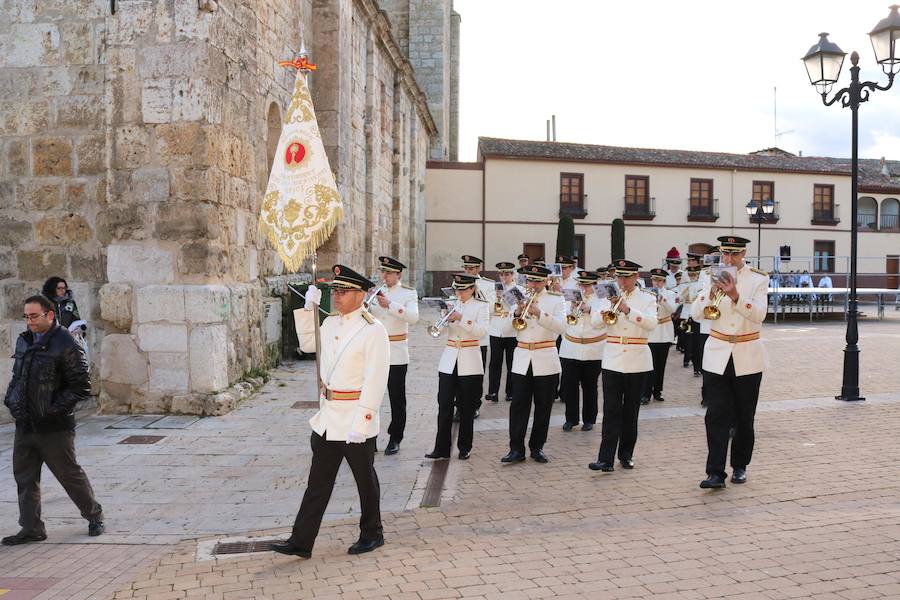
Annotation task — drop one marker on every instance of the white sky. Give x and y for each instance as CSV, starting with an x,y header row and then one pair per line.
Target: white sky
x,y
696,75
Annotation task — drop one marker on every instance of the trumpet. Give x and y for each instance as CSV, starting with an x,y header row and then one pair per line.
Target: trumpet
x,y
572,317
519,323
498,308
611,316
374,295
712,311
438,328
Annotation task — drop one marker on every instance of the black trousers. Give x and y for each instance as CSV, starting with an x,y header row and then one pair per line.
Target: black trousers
x,y
397,394
501,347
57,450
621,403
654,384
679,335
467,391
527,389
580,375
484,353
731,403
687,342
326,460
699,345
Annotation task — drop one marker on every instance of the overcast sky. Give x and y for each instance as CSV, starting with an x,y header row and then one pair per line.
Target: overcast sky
x,y
686,74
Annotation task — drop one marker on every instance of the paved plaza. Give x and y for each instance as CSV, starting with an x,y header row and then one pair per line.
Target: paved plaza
x,y
819,517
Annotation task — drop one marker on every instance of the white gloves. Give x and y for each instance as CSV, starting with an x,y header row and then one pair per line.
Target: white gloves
x,y
313,296
355,437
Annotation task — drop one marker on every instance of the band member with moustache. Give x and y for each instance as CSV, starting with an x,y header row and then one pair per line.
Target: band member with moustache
x,y
627,363
397,307
536,365
353,374
460,371
472,266
581,354
662,337
733,362
503,337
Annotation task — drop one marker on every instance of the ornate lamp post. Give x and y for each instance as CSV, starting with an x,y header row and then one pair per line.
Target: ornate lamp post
x,y
759,213
823,65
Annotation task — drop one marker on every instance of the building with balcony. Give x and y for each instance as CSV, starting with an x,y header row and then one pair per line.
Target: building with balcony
x,y
510,201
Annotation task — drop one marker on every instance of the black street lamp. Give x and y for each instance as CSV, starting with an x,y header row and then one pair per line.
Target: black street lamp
x,y
823,65
759,213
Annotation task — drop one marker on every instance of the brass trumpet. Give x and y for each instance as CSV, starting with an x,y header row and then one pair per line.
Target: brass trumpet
x,y
572,317
498,308
611,316
519,323
712,311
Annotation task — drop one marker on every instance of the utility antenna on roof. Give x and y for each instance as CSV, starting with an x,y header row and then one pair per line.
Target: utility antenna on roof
x,y
778,134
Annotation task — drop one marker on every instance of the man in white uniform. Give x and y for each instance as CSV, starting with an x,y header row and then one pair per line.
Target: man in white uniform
x,y
662,337
397,307
354,365
503,336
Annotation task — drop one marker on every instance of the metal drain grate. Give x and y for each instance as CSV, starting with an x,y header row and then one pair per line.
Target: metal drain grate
x,y
242,547
142,439
305,404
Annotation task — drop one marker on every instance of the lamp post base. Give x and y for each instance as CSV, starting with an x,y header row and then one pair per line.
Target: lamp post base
x,y
850,387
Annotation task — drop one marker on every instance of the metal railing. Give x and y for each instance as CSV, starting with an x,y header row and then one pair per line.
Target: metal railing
x,y
710,211
633,209
867,220
827,216
890,221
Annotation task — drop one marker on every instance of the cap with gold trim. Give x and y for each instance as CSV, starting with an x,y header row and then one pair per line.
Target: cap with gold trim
x,y
694,256
658,274
505,267
732,243
694,269
391,265
587,277
461,281
522,256
565,261
471,261
346,278
625,268
540,261
535,272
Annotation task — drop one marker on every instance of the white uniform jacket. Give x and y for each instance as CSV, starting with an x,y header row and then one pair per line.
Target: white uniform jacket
x,y
486,287
501,326
568,284
670,279
703,282
633,357
541,330
354,359
574,343
664,332
462,350
396,318
741,319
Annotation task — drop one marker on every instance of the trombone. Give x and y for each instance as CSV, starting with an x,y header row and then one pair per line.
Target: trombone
x,y
519,323
436,329
572,317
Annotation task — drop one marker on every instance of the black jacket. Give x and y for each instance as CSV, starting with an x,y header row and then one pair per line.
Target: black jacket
x,y
49,379
66,310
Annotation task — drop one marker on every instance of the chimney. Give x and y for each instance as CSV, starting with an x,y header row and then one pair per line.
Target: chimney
x,y
553,117
884,168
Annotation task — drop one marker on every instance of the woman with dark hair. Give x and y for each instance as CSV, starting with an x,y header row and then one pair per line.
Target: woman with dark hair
x,y
57,291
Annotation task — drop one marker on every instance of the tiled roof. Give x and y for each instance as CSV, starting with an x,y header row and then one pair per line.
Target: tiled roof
x,y
871,178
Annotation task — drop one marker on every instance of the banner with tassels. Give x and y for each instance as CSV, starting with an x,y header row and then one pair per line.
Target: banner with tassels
x,y
301,206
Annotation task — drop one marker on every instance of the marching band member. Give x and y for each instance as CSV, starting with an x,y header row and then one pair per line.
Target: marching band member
x,y
581,354
472,266
536,368
503,337
627,363
567,281
523,260
397,307
354,364
461,370
662,336
733,361
691,291
703,329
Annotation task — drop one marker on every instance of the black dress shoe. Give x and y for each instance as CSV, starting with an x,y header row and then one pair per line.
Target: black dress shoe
x,y
513,456
601,466
739,476
713,482
464,455
286,547
96,528
697,373
659,398
645,401
626,463
568,426
508,398
539,456
23,537
392,448
437,456
587,426
491,397
362,546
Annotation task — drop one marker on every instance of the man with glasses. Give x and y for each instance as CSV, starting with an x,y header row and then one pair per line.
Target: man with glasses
x,y
733,361
50,376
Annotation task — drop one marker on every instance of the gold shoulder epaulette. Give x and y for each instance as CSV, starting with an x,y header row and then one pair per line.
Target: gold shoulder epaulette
x,y
368,317
760,271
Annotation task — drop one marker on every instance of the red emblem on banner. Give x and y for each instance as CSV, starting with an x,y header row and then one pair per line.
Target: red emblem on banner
x,y
294,154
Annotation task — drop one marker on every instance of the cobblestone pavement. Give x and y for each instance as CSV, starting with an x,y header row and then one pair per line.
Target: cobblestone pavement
x,y
819,517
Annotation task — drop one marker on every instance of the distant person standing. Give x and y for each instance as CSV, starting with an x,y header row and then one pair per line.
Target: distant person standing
x,y
50,376
57,291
